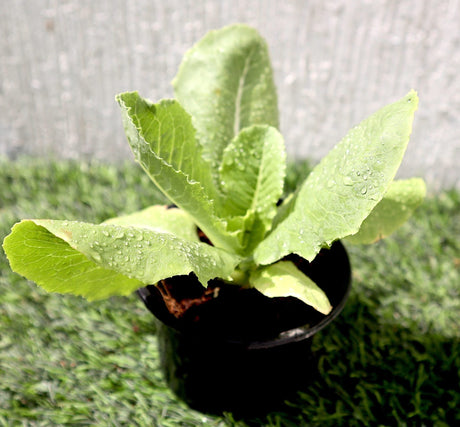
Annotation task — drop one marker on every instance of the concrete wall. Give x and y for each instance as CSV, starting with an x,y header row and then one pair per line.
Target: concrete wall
x,y
335,61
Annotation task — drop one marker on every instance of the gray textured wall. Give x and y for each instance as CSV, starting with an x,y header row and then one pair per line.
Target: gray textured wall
x,y
335,62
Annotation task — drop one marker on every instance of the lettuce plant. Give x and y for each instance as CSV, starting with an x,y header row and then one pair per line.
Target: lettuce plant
x,y
216,152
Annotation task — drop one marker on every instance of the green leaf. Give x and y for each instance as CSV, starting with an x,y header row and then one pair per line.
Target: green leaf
x,y
252,171
396,207
284,279
162,219
98,261
49,261
226,83
252,177
163,141
345,186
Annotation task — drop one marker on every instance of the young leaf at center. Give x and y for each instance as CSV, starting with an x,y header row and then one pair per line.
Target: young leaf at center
x,y
252,176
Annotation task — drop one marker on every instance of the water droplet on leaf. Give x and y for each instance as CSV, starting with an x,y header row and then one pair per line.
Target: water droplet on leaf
x,y
347,180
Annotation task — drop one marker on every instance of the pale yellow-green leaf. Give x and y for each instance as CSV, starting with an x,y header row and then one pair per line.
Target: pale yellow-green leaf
x,y
160,218
284,279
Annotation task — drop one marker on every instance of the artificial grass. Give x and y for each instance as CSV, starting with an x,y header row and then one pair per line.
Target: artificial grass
x,y
391,358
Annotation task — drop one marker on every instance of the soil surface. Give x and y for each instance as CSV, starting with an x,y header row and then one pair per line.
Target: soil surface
x,y
238,313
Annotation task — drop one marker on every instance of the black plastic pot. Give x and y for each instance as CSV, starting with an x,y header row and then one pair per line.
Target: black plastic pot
x,y
234,367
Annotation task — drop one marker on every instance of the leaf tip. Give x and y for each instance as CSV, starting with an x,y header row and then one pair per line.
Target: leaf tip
x,y
412,98
324,310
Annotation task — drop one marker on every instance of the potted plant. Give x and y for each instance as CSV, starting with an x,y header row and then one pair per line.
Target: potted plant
x,y
239,280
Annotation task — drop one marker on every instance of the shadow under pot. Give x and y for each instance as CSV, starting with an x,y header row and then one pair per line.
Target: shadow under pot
x,y
227,348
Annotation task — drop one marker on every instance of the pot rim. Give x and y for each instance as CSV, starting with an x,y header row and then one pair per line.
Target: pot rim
x,y
302,332
293,335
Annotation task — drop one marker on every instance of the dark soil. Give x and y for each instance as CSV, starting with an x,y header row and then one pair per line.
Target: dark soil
x,y
234,312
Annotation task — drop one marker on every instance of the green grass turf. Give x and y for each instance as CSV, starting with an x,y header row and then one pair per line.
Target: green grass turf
x,y
391,358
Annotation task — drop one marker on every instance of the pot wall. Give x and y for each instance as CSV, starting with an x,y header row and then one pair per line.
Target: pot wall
x,y
215,372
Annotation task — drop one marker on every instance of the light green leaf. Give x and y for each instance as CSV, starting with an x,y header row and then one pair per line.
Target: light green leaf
x,y
162,219
252,177
284,279
49,261
248,229
163,141
98,261
345,186
252,171
396,207
226,83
